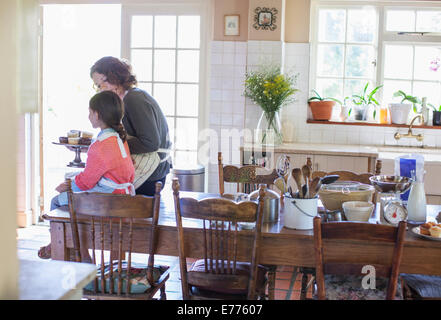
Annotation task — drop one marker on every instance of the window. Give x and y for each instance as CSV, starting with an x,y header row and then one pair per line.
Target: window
x,y
398,47
164,50
346,50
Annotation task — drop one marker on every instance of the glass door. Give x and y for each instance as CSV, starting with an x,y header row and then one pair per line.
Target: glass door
x,y
74,37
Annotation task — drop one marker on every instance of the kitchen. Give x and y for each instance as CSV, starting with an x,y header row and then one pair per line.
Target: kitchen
x,y
296,38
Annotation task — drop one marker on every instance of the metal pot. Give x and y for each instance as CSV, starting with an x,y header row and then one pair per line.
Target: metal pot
x,y
270,204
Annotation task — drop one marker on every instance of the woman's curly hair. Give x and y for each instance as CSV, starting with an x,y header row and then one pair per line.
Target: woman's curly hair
x,y
117,71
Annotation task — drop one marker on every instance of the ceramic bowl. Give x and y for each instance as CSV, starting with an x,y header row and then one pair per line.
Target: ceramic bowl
x,y
358,210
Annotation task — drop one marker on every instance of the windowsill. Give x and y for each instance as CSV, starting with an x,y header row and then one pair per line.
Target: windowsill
x,y
371,124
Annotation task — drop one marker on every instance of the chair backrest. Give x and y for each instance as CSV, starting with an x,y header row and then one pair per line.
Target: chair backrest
x,y
220,218
352,231
111,215
247,178
351,176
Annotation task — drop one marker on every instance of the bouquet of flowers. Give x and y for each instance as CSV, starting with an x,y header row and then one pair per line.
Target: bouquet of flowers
x,y
270,89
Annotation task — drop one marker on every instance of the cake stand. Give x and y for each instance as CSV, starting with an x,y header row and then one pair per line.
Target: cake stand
x,y
76,163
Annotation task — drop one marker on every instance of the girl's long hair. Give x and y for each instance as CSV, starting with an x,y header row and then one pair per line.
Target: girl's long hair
x,y
110,110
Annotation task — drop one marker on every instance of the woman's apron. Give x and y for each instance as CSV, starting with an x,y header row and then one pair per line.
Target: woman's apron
x,y
146,163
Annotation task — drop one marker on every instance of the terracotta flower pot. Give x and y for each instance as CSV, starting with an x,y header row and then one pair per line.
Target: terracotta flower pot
x,y
321,110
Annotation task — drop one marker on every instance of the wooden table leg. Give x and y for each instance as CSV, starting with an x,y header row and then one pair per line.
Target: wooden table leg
x,y
59,250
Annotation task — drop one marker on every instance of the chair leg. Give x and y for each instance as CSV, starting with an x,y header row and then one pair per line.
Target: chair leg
x,y
304,286
163,296
271,281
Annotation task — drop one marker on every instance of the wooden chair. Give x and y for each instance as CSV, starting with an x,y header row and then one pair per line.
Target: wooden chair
x,y
111,218
325,232
344,176
219,275
247,179
351,176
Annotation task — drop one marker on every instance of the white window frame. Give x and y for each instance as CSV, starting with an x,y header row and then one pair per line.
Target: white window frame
x,y
175,8
383,36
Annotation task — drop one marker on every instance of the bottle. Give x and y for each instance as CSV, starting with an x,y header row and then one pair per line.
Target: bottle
x,y
424,111
383,115
416,204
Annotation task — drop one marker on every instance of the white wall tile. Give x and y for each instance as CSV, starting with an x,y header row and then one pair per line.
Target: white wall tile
x,y
229,46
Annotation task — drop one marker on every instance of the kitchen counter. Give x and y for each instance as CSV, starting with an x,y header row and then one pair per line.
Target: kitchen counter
x,y
379,152
315,148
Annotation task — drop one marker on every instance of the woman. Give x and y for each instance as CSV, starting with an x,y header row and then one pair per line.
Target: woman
x,y
147,128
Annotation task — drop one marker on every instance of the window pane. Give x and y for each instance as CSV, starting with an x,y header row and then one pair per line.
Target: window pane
x,y
330,88
361,25
431,90
186,158
142,64
165,31
356,87
171,130
392,86
398,62
400,20
187,100
332,25
426,63
142,31
147,86
428,21
186,133
164,65
330,60
164,94
188,66
188,31
359,61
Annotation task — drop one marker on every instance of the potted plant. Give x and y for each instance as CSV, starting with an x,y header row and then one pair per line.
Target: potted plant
x,y
321,107
363,101
436,115
270,89
400,111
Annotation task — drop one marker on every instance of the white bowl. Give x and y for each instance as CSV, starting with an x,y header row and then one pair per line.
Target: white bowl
x,y
358,210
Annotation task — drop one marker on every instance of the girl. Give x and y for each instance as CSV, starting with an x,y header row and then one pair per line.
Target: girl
x,y
109,167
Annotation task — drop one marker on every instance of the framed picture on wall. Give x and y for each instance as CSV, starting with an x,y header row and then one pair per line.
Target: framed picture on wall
x,y
231,25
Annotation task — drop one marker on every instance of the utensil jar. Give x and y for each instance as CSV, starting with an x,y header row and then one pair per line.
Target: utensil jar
x,y
299,213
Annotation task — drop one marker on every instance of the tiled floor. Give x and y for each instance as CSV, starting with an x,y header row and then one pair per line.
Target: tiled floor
x,y
288,279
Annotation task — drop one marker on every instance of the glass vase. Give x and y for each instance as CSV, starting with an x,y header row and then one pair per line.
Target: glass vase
x,y
269,129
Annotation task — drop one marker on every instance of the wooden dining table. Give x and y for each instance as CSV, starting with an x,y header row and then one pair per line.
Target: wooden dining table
x,y
279,245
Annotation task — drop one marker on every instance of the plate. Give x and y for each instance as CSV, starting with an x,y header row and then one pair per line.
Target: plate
x,y
416,230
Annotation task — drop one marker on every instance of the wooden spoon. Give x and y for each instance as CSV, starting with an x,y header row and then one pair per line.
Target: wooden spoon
x,y
297,175
280,184
315,186
306,177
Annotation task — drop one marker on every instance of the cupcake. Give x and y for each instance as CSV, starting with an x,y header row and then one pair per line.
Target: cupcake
x,y
85,141
435,231
87,135
73,134
74,140
63,140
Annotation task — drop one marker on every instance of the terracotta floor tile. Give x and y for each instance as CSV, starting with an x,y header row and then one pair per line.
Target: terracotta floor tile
x,y
280,294
284,275
283,284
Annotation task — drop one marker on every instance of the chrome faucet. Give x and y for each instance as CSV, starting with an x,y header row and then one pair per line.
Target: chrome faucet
x,y
409,133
